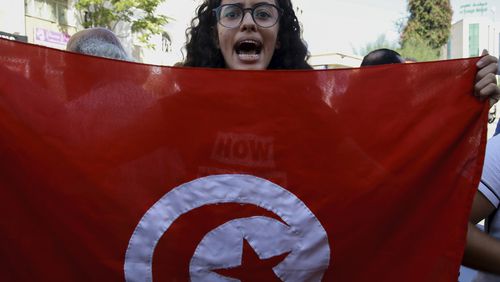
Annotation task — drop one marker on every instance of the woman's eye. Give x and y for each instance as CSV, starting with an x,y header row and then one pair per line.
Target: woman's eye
x,y
231,14
263,14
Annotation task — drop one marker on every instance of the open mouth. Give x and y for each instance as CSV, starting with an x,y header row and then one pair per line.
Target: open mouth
x,y
248,47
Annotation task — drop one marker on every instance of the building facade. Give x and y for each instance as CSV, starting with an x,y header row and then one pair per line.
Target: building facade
x,y
470,36
334,60
51,23
12,22
475,29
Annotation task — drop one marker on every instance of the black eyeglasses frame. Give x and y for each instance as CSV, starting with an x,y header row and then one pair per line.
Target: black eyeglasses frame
x,y
218,10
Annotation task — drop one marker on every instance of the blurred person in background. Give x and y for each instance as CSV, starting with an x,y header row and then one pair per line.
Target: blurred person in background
x,y
382,57
99,42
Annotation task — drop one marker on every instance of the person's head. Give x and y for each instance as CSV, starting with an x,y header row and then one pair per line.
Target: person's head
x,y
382,57
246,34
97,42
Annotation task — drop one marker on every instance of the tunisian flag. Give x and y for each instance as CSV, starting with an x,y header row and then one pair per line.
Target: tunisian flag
x,y
117,171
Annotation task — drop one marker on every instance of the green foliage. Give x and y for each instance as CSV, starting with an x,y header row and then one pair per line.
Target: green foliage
x,y
429,21
380,42
414,47
139,13
419,49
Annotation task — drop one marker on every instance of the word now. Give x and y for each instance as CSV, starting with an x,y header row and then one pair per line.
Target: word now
x,y
244,149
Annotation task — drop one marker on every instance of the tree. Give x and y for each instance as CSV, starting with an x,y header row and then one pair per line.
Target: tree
x,y
429,22
418,49
108,13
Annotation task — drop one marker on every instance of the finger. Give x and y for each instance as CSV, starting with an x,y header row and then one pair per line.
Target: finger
x,y
489,91
487,72
481,85
486,60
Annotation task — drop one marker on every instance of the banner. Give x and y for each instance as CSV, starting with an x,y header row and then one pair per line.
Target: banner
x,y
118,171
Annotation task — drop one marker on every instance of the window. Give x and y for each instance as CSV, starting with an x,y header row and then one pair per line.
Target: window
x,y
473,40
62,13
52,10
44,9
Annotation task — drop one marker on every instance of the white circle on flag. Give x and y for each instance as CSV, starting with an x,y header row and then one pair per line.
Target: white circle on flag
x,y
301,235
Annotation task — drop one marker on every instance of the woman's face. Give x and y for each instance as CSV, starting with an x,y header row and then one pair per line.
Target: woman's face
x,y
247,46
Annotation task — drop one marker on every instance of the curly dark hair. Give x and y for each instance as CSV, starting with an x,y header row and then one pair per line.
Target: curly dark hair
x,y
202,39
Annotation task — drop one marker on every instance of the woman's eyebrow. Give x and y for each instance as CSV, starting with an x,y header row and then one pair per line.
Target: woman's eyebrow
x,y
235,3
262,2
241,4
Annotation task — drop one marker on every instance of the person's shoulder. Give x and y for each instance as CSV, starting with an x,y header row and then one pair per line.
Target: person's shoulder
x,y
495,140
490,178
493,147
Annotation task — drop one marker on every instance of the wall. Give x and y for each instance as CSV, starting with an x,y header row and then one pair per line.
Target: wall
x,y
488,37
457,40
12,16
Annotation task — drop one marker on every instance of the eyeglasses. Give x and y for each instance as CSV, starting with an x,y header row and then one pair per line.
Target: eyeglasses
x,y
264,15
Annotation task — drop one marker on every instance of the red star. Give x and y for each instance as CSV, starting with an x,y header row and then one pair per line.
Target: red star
x,y
252,268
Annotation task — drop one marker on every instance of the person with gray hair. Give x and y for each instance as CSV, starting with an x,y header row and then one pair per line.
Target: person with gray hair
x,y
99,42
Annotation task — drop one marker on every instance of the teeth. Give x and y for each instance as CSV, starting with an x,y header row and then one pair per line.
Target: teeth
x,y
248,46
250,41
248,57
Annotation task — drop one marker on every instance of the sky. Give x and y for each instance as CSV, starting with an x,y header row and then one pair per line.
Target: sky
x,y
341,25
328,25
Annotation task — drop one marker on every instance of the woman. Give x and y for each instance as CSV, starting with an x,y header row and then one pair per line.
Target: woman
x,y
265,34
250,34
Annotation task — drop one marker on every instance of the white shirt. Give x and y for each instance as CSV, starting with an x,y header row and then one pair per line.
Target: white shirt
x,y
490,188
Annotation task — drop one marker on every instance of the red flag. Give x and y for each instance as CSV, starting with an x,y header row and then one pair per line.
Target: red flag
x,y
113,171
